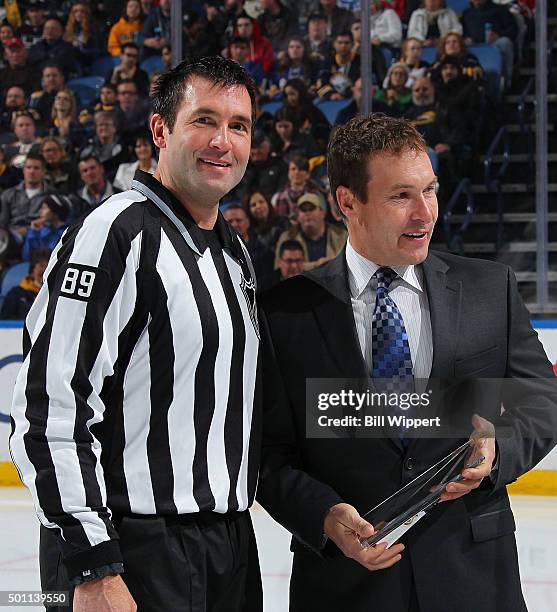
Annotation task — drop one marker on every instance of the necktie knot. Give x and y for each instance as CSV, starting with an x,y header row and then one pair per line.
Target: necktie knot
x,y
385,276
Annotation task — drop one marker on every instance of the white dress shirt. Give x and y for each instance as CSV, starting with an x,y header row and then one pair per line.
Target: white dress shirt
x,y
407,293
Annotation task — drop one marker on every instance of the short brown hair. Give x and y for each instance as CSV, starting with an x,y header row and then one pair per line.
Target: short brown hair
x,y
351,145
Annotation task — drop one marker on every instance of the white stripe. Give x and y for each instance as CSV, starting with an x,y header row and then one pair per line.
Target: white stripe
x,y
249,376
137,413
188,342
219,479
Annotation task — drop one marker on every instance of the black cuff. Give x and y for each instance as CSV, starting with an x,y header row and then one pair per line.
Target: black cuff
x,y
104,553
99,572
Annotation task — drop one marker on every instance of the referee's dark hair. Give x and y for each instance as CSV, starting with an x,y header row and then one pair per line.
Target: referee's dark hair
x,y
168,92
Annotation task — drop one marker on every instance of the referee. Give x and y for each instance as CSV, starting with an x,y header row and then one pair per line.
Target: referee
x,y
135,421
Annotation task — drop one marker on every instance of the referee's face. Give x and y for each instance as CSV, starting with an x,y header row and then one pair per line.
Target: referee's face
x,y
206,154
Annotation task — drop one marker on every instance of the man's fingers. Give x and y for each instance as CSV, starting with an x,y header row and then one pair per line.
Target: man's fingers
x,y
384,565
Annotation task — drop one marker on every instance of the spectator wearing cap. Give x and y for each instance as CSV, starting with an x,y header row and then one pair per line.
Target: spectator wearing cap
x,y
145,160
317,41
36,13
24,129
299,182
338,19
128,69
266,171
17,71
239,52
156,30
396,92
53,48
264,219
106,145
287,141
386,27
19,205
320,240
96,189
15,101
502,34
261,257
19,299
355,107
46,230
433,21
52,81
82,33
127,28
277,23
260,48
342,70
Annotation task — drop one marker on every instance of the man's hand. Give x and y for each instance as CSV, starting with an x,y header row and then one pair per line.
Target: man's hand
x,y
484,446
108,594
37,224
345,526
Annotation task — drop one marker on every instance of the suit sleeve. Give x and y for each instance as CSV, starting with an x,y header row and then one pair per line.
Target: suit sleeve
x,y
291,496
71,340
527,430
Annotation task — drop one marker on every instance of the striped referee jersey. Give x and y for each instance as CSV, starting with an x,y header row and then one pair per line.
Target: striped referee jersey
x,y
137,394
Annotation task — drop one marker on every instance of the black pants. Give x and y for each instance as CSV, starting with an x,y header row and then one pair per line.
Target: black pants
x,y
184,564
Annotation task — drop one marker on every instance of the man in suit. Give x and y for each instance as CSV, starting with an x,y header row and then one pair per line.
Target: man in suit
x,y
455,319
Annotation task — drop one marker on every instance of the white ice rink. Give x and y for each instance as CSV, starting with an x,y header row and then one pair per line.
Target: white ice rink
x,y
536,535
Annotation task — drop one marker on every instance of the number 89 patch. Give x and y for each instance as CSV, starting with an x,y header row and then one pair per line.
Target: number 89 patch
x,y
78,282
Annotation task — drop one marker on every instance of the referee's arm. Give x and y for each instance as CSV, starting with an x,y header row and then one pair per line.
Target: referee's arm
x,y
71,342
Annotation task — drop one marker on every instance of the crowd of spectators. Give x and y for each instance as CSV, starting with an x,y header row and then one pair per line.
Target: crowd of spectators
x,y
60,158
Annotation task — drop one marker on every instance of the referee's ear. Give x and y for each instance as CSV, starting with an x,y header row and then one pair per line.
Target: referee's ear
x,y
156,124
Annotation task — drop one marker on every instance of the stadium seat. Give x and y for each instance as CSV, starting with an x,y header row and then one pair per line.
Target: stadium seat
x,y
428,54
331,108
388,55
13,276
86,89
489,56
458,6
434,159
271,107
152,64
102,66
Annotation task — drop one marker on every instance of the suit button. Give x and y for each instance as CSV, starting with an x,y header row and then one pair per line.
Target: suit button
x,y
409,464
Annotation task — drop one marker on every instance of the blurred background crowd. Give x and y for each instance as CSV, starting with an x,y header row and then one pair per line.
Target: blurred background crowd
x,y
74,96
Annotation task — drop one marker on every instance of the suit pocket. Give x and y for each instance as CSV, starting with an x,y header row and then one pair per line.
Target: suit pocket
x,y
475,363
492,525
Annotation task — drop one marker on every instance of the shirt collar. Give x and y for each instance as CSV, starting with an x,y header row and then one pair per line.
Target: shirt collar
x,y
222,229
361,271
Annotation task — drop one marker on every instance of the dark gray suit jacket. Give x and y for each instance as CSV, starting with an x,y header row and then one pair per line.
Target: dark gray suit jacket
x,y
462,555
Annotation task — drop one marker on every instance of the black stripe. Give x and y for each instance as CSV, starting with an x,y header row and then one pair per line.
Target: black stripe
x,y
161,358
204,403
234,422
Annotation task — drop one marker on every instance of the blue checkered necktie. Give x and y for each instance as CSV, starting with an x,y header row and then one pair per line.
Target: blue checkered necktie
x,y
392,361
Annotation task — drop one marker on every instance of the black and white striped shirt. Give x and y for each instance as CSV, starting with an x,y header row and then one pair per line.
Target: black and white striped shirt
x,y
138,389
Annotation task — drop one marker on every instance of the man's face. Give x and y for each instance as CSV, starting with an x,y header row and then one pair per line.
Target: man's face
x,y
423,93
91,172
108,96
238,220
311,218
105,129
342,45
239,52
297,176
24,129
16,55
35,15
52,31
260,153
394,226
33,172
432,5
129,57
133,9
127,96
51,152
449,72
244,27
295,50
291,263
53,80
317,29
15,98
206,154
